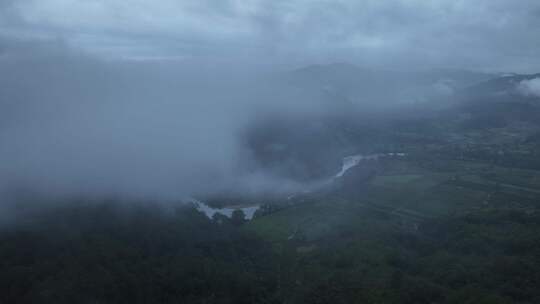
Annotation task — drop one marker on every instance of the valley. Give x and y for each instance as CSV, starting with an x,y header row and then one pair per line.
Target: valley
x,y
438,205
269,152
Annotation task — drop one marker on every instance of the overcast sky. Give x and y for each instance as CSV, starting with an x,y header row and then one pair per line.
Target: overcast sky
x,y
500,35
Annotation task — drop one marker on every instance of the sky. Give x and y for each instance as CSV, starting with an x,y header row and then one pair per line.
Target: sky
x,y
489,35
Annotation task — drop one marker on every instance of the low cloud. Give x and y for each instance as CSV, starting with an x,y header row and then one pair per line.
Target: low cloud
x,y
73,124
530,88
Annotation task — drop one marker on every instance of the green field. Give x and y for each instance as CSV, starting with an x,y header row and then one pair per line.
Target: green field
x,y
415,237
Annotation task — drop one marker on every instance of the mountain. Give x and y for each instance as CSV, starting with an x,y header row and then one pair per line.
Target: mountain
x,y
384,88
365,110
503,88
500,101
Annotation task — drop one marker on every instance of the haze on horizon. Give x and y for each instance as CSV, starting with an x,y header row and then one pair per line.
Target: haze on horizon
x,y
149,98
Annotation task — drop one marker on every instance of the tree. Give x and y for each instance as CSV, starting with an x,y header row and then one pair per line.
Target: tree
x,y
238,217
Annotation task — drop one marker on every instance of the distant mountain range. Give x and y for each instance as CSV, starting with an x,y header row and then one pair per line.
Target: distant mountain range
x,y
501,87
383,88
363,84
365,106
348,73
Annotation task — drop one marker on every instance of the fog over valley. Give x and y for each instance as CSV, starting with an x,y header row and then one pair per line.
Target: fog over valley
x,y
226,151
74,123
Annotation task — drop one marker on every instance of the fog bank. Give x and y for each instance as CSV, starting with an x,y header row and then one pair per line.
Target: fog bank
x,y
74,124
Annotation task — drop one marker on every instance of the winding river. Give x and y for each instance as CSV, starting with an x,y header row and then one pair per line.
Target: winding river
x,y
249,211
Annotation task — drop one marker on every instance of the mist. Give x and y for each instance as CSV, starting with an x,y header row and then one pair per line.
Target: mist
x,y
75,124
530,87
269,151
132,100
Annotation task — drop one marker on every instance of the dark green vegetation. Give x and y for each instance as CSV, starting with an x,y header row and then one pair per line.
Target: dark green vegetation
x,y
437,231
415,235
421,237
107,253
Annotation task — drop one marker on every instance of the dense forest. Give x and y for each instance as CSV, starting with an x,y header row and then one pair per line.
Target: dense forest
x,y
113,253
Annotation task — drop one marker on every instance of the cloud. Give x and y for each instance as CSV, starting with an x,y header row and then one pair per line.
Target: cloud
x,y
530,88
74,124
74,117
483,34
